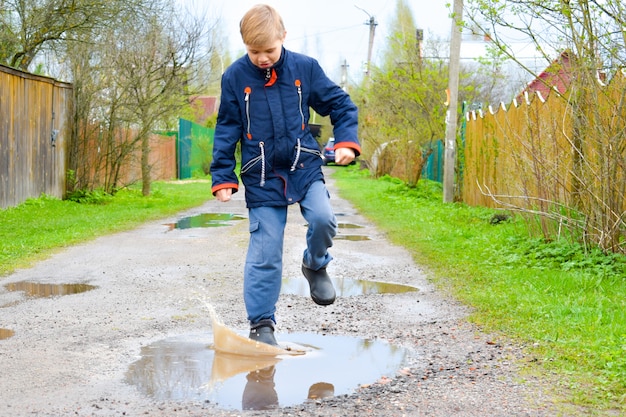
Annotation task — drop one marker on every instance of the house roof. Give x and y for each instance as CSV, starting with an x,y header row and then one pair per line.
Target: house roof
x,y
557,76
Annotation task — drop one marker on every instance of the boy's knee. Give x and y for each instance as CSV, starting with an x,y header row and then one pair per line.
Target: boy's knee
x,y
328,223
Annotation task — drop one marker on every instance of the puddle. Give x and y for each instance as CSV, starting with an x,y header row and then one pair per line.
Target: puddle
x,y
39,290
205,220
349,226
352,238
186,368
6,333
343,225
346,287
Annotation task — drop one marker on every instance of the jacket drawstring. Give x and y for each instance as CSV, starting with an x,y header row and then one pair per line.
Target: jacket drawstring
x,y
262,146
248,90
295,161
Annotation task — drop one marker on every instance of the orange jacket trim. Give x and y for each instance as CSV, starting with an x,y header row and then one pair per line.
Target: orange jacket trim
x,y
218,187
354,146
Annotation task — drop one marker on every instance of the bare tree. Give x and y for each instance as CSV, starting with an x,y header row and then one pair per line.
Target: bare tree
x,y
132,77
30,26
153,66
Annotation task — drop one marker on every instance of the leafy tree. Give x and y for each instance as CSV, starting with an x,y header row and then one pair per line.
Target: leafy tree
x,y
403,104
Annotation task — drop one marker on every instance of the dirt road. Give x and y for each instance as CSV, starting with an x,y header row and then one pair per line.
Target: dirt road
x,y
70,355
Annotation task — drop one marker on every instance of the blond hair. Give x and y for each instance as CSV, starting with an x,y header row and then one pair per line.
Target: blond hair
x,y
261,25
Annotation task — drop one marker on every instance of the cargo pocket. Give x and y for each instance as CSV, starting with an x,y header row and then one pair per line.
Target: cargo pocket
x,y
255,248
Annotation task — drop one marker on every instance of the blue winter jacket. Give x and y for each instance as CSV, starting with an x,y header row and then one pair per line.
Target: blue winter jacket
x,y
267,112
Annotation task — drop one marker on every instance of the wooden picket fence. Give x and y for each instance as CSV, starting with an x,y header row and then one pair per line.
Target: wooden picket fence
x,y
34,132
535,156
502,147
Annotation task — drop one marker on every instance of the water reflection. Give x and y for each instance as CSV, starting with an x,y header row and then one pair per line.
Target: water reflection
x,y
186,368
205,220
352,238
349,226
260,390
346,287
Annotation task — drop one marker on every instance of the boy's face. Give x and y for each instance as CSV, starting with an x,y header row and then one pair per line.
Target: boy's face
x,y
264,56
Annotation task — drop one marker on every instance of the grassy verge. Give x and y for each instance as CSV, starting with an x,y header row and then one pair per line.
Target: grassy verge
x,y
37,227
567,306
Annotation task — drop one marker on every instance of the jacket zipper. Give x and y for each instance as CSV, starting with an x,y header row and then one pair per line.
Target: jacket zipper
x,y
299,87
247,91
298,147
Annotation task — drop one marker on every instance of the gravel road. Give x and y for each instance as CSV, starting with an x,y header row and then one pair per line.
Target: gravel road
x,y
81,354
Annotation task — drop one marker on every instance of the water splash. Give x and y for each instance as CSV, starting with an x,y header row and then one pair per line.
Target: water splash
x,y
226,340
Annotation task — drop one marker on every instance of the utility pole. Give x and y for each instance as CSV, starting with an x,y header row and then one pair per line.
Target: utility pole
x,y
419,38
452,113
344,75
372,24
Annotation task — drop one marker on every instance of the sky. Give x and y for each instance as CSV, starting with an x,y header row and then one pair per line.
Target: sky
x,y
336,32
332,31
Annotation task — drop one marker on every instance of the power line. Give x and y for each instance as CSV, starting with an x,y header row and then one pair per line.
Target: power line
x,y
307,36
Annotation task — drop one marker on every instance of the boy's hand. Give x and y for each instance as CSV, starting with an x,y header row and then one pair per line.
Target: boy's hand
x,y
344,156
224,194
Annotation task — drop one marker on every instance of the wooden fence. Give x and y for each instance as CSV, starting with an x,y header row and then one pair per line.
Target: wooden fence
x,y
34,121
105,160
501,151
535,155
173,155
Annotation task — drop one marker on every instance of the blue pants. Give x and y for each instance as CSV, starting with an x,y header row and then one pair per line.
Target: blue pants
x,y
264,261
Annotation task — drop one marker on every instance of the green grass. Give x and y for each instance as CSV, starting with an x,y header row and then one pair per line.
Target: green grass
x,y
566,306
36,228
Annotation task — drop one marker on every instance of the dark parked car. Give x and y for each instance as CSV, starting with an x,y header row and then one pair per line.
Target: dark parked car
x,y
328,153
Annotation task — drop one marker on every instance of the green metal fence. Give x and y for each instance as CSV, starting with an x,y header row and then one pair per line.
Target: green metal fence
x,y
433,169
193,149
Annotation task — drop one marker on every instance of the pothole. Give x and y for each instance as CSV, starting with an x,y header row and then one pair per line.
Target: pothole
x,y
205,220
41,290
346,287
187,368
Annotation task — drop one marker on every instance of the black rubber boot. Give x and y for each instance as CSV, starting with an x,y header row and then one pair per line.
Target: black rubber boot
x,y
263,331
322,290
